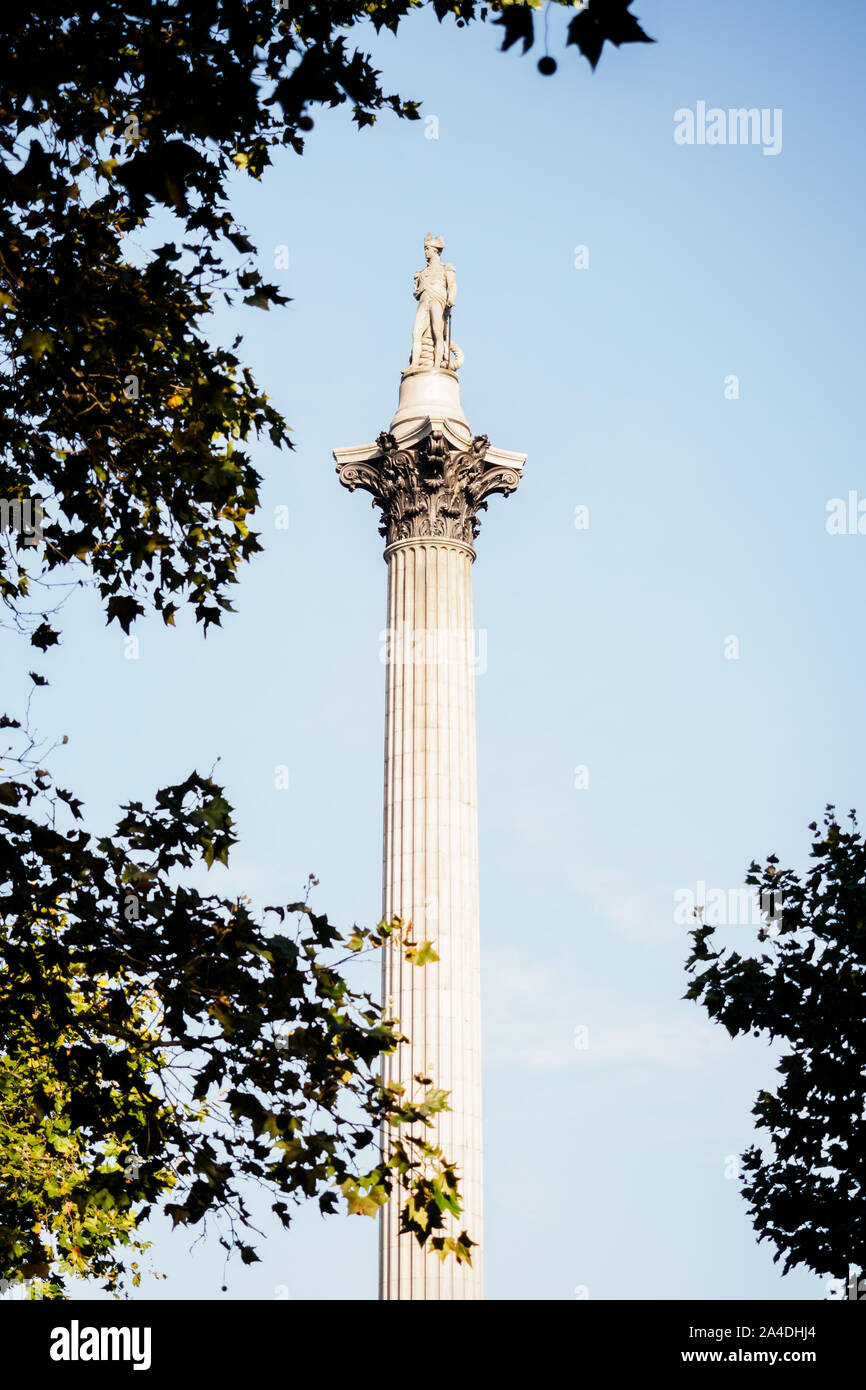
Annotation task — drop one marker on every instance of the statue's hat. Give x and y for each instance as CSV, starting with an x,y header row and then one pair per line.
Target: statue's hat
x,y
431,240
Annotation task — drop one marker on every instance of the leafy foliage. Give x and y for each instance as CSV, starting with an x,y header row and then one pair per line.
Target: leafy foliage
x,y
601,22
52,1221
598,22
116,123
156,1041
159,1042
807,987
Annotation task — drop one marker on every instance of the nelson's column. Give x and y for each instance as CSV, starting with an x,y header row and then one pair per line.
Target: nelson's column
x,y
430,478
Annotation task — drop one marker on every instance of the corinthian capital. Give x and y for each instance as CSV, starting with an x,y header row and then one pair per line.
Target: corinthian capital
x,y
433,489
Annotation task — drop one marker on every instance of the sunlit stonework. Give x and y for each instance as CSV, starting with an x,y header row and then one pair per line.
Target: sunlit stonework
x,y
432,489
429,477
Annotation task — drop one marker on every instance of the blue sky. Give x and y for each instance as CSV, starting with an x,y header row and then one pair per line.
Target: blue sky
x,y
605,1166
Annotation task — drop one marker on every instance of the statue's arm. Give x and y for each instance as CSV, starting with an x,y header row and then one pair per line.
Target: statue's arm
x,y
416,285
450,285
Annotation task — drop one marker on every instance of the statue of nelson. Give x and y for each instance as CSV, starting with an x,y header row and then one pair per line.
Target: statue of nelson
x,y
435,289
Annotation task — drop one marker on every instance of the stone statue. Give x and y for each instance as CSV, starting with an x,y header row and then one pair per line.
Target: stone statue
x,y
435,289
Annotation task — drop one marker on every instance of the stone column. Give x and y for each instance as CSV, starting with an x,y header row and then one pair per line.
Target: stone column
x,y
429,476
430,877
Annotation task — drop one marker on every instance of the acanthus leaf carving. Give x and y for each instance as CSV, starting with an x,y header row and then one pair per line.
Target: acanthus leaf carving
x,y
432,489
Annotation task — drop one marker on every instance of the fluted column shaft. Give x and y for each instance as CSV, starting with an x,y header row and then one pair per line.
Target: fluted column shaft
x,y
430,877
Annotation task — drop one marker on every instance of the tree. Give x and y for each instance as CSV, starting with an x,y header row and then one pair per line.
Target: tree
x,y
121,129
157,1042
808,1194
115,409
53,1221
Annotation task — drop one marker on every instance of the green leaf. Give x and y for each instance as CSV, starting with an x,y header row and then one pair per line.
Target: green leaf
x,y
421,955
